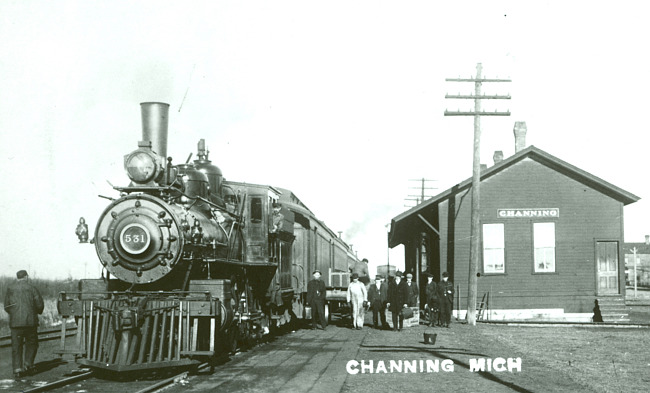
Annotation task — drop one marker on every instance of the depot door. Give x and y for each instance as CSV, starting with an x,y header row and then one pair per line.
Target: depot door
x,y
607,268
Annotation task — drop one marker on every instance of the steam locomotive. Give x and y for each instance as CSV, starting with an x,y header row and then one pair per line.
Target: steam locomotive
x,y
197,266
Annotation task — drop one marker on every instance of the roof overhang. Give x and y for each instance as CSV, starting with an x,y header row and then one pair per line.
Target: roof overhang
x,y
412,220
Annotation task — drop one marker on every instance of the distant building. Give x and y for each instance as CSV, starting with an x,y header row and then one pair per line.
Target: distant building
x,y
386,270
551,237
642,263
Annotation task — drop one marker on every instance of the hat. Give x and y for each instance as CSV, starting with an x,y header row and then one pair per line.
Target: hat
x,y
409,275
445,274
21,274
364,260
379,277
428,275
277,204
317,271
355,275
398,274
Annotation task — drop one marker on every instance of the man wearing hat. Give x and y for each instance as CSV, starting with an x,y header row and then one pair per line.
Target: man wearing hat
x,y
377,296
413,291
356,296
23,303
316,292
432,299
397,300
445,299
277,218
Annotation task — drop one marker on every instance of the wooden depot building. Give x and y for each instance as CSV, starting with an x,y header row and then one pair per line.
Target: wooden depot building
x,y
551,238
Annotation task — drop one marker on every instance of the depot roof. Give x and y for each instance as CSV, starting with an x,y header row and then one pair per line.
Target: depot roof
x,y
399,225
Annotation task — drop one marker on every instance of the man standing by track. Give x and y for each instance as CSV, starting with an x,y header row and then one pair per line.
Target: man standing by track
x,y
397,300
378,296
445,299
357,296
316,292
23,303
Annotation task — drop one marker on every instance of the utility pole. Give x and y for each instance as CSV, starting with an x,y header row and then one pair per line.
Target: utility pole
x,y
422,196
387,250
634,251
474,253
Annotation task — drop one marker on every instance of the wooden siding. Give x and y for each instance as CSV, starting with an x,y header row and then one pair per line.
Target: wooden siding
x,y
585,216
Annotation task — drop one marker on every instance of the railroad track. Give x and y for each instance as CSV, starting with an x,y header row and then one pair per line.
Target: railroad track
x,y
87,375
44,335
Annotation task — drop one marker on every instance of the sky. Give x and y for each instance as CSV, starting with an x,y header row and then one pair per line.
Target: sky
x,y
341,102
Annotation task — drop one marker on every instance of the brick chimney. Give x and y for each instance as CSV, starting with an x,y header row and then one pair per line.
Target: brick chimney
x,y
497,157
520,135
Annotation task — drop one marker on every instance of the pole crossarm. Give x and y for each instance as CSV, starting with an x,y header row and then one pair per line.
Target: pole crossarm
x,y
482,97
481,113
480,80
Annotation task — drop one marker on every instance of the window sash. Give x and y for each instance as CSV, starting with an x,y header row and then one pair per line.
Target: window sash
x,y
493,249
544,244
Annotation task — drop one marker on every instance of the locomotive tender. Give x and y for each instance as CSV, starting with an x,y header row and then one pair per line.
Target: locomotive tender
x,y
192,268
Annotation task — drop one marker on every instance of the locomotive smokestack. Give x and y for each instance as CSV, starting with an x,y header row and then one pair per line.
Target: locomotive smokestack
x,y
155,119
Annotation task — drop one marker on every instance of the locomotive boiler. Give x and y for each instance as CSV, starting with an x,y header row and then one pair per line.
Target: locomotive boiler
x,y
195,265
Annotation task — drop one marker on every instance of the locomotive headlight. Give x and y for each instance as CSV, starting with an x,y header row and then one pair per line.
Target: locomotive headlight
x,y
140,167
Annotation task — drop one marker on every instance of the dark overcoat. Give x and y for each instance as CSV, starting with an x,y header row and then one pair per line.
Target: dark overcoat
x,y
378,297
397,295
413,292
316,291
23,303
446,292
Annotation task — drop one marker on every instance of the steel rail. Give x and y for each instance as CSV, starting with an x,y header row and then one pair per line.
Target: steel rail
x,y
42,336
158,386
169,381
59,383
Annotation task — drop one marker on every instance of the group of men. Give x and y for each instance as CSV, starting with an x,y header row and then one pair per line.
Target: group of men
x,y
440,299
400,294
395,296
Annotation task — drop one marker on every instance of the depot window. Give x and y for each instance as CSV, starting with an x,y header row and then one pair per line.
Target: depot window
x,y
544,243
493,249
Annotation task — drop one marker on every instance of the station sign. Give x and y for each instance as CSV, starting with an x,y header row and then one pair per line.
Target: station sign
x,y
529,213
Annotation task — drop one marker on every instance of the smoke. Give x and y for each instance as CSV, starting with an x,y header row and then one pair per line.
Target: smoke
x,y
369,218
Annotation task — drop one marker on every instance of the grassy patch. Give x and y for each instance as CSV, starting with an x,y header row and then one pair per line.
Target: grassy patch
x,y
603,359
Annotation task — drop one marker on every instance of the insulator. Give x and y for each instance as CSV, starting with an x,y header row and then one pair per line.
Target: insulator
x,y
138,204
172,238
114,215
162,214
115,262
139,272
104,239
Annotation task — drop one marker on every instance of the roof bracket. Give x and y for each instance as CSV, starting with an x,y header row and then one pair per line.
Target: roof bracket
x,y
429,224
